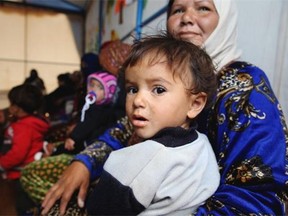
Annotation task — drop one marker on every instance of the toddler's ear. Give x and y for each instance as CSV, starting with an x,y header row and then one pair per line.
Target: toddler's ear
x,y
198,102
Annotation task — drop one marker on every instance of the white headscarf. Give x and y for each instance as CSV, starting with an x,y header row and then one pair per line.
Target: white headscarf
x,y
222,43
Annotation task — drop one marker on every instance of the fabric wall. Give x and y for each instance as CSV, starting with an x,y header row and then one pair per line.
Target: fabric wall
x,y
119,23
263,38
281,67
48,41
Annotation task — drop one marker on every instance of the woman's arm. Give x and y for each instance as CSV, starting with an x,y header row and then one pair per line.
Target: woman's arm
x,y
87,165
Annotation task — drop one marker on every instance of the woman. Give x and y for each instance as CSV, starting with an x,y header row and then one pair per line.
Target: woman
x,y
246,126
246,119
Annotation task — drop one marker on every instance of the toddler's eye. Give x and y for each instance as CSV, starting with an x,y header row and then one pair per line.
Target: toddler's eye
x,y
131,90
100,87
159,90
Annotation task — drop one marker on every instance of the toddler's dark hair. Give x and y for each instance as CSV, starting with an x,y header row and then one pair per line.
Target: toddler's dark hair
x,y
27,97
186,60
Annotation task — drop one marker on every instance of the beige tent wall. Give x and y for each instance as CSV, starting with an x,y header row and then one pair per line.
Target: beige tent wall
x,y
12,25
92,28
50,42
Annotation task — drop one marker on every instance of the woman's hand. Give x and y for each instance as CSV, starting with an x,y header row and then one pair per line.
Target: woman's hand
x,y
76,176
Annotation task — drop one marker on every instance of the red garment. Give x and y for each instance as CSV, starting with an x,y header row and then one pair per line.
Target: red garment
x,y
26,136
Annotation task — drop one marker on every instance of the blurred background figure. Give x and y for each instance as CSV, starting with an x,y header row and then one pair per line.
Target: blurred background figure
x,y
57,100
24,138
35,80
89,64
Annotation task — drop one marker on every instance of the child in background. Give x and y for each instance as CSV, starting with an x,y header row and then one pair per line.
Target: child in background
x,y
24,136
173,171
98,114
4,122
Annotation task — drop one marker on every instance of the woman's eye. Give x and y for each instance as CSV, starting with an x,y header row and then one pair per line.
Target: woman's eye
x,y
178,10
131,90
203,8
159,90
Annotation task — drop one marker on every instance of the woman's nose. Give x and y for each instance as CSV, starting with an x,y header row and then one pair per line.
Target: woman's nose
x,y
188,17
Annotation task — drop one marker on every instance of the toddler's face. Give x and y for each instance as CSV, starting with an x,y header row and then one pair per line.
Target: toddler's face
x,y
95,86
155,98
13,110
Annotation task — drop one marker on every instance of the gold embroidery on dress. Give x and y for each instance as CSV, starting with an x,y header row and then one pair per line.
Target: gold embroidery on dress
x,y
241,86
249,172
99,150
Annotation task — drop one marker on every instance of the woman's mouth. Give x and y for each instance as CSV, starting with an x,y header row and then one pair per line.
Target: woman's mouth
x,y
191,37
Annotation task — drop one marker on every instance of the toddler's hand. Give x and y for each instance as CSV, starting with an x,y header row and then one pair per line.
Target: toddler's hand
x,y
69,144
49,148
75,178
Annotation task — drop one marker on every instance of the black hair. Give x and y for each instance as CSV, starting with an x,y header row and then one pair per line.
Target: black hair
x,y
186,60
27,97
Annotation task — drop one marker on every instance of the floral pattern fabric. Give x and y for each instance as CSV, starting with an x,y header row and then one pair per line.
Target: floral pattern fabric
x,y
249,137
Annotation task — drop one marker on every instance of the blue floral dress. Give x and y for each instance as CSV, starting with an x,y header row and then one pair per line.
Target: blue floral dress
x,y
247,129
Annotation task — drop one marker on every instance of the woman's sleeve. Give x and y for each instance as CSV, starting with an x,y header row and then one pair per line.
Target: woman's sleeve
x,y
95,155
249,136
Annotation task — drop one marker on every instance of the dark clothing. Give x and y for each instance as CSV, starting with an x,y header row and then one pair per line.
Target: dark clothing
x,y
55,102
35,80
97,120
170,174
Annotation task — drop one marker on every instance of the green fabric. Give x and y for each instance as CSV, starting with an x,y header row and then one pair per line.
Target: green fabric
x,y
38,177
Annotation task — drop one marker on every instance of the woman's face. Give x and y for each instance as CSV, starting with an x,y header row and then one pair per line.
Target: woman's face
x,y
192,20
